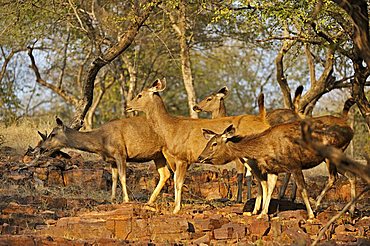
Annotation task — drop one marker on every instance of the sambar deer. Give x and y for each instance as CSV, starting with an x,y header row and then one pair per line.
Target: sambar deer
x,y
215,104
117,141
278,150
183,136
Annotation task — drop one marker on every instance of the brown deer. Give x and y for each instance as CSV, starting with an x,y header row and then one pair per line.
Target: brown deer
x,y
215,104
279,116
183,136
278,150
117,141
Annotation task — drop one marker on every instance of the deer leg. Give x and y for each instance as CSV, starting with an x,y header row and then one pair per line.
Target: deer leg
x,y
114,183
240,170
284,186
121,165
301,185
180,172
248,176
333,174
257,204
164,174
261,182
294,192
271,182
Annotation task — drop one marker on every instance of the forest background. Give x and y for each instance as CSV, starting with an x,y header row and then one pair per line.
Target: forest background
x,y
84,59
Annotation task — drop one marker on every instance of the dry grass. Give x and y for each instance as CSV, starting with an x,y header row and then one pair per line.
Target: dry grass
x,y
23,133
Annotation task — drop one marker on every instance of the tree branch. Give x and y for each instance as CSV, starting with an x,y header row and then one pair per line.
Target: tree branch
x,y
59,91
114,51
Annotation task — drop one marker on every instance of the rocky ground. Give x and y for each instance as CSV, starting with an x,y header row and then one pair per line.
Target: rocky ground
x,y
66,202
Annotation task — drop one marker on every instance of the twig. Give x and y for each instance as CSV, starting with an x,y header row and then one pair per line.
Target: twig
x,y
323,230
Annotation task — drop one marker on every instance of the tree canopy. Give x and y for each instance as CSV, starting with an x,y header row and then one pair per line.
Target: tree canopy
x,y
87,58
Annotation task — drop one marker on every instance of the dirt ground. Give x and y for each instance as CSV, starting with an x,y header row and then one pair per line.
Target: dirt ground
x,y
66,202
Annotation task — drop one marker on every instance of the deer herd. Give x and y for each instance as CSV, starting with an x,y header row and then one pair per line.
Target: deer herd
x,y
266,144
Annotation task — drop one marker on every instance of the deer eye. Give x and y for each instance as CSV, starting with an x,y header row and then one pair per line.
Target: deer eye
x,y
214,144
139,96
209,99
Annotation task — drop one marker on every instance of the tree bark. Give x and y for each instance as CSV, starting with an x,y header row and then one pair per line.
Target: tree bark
x,y
128,88
357,10
179,25
113,52
280,77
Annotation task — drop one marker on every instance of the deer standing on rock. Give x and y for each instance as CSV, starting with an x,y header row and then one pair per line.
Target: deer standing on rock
x,y
183,141
278,150
215,104
118,141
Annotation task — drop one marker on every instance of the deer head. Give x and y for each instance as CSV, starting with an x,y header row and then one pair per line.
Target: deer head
x,y
216,150
212,102
56,140
145,97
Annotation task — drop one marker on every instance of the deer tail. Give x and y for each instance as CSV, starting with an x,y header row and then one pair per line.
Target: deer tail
x,y
261,106
297,98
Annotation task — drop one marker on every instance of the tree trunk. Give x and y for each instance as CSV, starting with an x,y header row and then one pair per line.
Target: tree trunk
x,y
280,77
113,52
358,93
179,25
129,88
358,11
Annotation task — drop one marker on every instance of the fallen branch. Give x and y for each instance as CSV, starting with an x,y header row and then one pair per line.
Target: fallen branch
x,y
332,220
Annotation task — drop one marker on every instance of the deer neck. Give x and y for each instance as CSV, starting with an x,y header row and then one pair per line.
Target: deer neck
x,y
86,141
221,112
249,147
158,117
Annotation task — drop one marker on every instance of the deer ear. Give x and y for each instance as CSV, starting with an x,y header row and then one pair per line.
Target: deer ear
x,y
223,92
158,85
208,134
59,121
43,136
229,132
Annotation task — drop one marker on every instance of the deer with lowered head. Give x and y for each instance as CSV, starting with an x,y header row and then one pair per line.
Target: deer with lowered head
x,y
278,150
215,104
183,141
117,141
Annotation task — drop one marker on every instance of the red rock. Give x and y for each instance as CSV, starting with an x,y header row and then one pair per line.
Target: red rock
x,y
295,237
345,237
41,173
122,212
365,222
223,233
54,202
15,208
55,178
276,228
85,177
325,216
17,177
16,240
86,229
205,239
207,224
312,228
293,214
258,228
